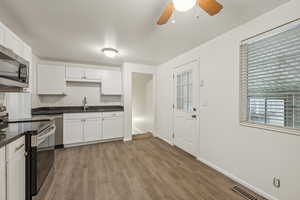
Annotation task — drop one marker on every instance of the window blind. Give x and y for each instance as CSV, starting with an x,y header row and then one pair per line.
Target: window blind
x,y
270,79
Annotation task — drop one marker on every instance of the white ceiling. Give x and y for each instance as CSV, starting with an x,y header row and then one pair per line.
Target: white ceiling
x,y
77,30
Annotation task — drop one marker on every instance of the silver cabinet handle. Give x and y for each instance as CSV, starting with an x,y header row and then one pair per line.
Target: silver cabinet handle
x,y
18,148
25,154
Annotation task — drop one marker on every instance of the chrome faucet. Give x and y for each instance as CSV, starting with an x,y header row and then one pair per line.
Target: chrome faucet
x,y
85,103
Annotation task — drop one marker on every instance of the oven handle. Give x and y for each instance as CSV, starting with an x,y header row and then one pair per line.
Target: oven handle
x,y
42,138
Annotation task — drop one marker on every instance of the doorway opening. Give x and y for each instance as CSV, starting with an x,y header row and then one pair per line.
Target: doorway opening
x,y
142,105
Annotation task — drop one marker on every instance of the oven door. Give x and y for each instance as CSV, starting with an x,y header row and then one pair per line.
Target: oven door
x,y
43,156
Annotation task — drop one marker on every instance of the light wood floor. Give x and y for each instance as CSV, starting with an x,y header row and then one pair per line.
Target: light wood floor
x,y
147,169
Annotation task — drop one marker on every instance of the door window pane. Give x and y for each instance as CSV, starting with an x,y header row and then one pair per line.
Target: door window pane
x,y
184,92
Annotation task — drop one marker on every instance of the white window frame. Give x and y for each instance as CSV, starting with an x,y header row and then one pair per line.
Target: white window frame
x,y
243,103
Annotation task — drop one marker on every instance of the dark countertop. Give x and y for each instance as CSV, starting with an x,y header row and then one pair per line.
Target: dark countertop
x,y
74,109
17,130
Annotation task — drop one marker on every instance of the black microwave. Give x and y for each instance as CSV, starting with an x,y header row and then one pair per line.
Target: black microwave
x,y
14,70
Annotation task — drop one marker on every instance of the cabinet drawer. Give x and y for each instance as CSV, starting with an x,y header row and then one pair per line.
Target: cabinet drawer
x,y
2,155
112,114
15,147
81,115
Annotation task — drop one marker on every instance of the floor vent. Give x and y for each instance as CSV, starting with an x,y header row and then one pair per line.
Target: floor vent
x,y
242,192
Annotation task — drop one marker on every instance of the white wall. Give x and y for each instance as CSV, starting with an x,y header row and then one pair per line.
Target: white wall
x,y
252,156
75,91
128,69
142,103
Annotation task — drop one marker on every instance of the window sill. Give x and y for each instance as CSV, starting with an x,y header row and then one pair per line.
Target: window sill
x,y
290,131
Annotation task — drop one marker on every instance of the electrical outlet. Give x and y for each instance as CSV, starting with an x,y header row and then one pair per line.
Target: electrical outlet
x,y
276,182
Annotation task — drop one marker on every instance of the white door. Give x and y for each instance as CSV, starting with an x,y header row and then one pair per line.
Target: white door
x,y
16,171
186,96
92,130
73,131
2,174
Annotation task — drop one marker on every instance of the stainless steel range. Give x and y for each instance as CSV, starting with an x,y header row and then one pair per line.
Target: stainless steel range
x,y
42,157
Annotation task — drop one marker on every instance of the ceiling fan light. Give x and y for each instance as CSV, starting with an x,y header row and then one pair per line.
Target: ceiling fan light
x,y
110,52
184,5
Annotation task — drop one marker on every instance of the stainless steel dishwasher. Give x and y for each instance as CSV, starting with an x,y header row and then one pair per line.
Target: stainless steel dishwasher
x,y
59,137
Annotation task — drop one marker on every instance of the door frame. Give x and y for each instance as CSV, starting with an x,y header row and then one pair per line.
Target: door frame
x,y
127,70
197,105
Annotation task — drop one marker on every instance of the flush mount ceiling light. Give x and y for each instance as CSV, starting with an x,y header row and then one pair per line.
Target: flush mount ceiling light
x,y
184,5
110,52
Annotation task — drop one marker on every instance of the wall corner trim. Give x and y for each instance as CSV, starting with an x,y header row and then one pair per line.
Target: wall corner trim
x,y
238,180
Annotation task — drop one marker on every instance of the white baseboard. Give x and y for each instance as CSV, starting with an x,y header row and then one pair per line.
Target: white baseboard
x,y
127,139
238,180
164,139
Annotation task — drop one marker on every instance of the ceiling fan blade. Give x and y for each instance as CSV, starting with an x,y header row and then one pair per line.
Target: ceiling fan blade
x,y
212,7
166,14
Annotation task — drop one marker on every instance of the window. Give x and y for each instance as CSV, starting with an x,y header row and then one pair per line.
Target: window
x,y
270,78
184,91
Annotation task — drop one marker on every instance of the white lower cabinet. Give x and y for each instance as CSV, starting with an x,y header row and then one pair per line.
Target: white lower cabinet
x,y
2,174
92,130
112,125
81,128
15,156
73,131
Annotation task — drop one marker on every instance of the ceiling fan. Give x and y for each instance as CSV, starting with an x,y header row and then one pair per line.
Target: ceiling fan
x,y
212,7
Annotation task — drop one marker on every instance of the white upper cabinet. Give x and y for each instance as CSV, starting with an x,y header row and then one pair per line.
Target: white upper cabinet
x,y
1,34
93,74
2,174
111,83
27,53
51,79
74,73
81,74
12,42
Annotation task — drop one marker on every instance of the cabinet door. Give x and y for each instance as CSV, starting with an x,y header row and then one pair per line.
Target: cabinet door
x,y
73,131
2,174
92,130
112,127
11,41
27,53
1,34
51,80
111,83
93,74
74,73
16,171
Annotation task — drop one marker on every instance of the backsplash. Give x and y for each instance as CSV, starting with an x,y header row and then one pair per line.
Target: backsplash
x,y
75,93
